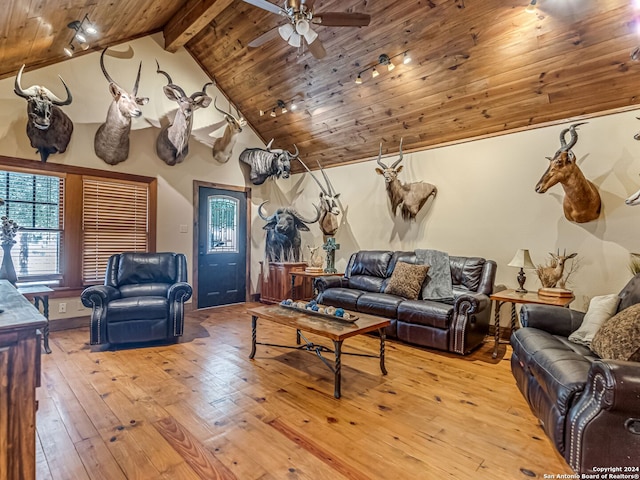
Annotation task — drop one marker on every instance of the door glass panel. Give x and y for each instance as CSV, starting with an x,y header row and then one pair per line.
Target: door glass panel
x,y
222,224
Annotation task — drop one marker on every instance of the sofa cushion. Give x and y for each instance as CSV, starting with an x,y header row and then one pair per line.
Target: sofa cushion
x,y
381,304
425,312
137,308
370,262
406,280
601,309
147,267
619,338
467,271
145,289
406,257
560,367
340,297
366,283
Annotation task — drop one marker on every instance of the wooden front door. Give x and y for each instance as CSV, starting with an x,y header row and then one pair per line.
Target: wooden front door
x,y
222,227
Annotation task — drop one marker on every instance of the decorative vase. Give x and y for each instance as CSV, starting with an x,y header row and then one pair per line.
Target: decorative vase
x,y
7,271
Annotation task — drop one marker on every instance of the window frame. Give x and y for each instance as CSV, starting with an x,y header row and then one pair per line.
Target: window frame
x,y
70,263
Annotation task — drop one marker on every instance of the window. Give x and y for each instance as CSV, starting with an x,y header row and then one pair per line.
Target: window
x,y
35,203
114,220
222,224
73,218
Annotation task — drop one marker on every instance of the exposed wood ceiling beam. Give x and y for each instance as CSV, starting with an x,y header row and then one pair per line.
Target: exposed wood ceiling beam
x,y
193,17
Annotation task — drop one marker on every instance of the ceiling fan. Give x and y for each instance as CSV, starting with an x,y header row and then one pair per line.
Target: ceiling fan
x,y
300,17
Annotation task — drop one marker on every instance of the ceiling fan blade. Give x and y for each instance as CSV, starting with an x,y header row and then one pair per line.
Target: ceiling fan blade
x,y
270,7
264,38
341,19
317,49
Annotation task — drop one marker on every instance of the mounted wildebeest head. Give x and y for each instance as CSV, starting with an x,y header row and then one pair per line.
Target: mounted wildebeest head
x,y
268,162
172,145
111,142
49,129
283,233
223,146
581,198
329,210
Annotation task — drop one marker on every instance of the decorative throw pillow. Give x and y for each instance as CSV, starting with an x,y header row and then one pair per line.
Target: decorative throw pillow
x,y
406,280
600,310
619,338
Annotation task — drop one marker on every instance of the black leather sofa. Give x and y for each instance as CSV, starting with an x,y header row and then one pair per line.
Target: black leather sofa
x,y
142,299
588,407
458,326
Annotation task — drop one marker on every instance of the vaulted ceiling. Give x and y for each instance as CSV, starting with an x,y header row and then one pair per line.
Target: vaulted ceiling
x,y
480,67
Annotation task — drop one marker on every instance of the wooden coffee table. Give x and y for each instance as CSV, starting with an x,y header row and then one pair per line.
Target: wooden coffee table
x,y
335,330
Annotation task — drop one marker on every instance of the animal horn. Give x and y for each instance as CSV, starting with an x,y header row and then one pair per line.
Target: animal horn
x,y
384,167
17,88
332,190
574,134
563,142
226,114
262,215
294,155
201,93
104,70
302,219
395,164
57,101
314,177
135,85
269,145
162,72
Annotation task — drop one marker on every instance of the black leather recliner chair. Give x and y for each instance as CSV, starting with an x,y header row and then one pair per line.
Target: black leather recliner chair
x,y
142,299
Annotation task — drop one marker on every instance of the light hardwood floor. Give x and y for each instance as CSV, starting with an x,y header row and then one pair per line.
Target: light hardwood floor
x,y
200,409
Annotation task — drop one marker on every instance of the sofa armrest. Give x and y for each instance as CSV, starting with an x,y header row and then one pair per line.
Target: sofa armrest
x,y
550,318
98,298
329,281
470,321
471,303
177,294
608,408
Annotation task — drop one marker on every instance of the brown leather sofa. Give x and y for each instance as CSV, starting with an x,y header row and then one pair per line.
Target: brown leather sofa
x,y
588,407
458,326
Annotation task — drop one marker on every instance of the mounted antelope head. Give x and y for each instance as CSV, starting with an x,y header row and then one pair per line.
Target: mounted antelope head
x,y
551,274
581,198
172,145
49,129
111,142
412,196
329,210
223,146
633,199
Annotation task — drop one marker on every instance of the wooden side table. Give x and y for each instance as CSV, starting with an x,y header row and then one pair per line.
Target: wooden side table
x,y
312,276
513,297
39,293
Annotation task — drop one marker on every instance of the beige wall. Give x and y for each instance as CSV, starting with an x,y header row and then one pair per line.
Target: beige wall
x,y
486,204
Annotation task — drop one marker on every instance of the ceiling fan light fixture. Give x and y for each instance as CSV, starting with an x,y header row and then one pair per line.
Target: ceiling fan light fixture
x,y
285,31
295,40
302,26
310,36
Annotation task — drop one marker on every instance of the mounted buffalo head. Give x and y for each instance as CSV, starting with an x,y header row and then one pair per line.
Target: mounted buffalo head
x,y
111,142
49,129
283,233
172,145
268,163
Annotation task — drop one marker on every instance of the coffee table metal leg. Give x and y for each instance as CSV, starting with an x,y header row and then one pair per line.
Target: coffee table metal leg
x,y
297,337
254,325
383,337
337,347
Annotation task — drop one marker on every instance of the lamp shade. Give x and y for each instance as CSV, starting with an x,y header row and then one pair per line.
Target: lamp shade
x,y
285,31
522,259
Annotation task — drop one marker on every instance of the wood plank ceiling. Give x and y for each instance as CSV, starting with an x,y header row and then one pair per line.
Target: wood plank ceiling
x,y
480,67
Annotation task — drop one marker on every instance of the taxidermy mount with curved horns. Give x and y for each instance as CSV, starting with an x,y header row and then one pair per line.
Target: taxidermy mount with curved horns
x,y
298,31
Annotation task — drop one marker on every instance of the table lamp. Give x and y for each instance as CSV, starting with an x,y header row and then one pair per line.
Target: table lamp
x,y
522,259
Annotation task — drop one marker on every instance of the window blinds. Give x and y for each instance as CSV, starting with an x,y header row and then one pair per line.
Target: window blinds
x,y
114,220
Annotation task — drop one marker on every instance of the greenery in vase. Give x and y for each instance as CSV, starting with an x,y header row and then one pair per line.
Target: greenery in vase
x,y
9,231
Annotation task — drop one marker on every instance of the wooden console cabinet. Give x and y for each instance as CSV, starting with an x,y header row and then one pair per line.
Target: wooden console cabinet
x,y
19,376
276,282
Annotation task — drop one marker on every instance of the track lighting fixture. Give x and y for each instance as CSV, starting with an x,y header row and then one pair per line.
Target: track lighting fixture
x,y
531,8
82,28
280,107
386,60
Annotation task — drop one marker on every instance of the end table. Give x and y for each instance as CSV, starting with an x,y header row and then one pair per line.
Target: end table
x,y
39,293
513,297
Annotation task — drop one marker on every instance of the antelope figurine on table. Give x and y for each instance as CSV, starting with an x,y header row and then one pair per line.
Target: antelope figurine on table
x,y
581,198
412,196
551,275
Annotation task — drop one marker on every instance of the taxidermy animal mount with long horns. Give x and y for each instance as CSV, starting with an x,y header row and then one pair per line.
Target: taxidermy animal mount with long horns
x,y
49,129
111,142
550,274
581,198
329,210
223,146
410,196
